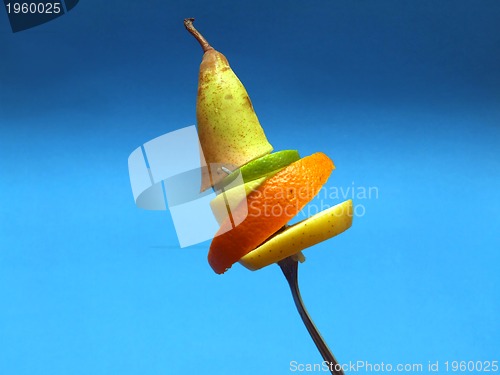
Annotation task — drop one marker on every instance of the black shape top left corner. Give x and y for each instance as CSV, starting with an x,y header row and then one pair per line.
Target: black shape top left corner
x,y
25,14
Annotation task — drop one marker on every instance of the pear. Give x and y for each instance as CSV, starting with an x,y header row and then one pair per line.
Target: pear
x,y
228,128
295,238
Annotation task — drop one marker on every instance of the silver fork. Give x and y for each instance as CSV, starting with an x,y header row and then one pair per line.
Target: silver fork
x,y
290,266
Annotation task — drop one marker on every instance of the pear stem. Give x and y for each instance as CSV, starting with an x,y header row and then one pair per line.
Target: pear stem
x,y
188,23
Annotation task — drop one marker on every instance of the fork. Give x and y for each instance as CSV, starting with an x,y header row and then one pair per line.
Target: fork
x,y
290,266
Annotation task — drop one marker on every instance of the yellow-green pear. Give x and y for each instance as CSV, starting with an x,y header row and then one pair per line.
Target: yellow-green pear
x,y
306,233
229,130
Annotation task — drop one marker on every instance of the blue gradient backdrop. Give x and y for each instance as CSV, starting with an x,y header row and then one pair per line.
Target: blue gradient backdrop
x,y
403,95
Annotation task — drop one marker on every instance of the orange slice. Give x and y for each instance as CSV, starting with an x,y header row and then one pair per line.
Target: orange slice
x,y
267,209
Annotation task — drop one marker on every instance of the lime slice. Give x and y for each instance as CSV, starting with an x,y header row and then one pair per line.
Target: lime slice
x,y
262,166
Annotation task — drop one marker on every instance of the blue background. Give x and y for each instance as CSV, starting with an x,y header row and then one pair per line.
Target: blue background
x,y
403,95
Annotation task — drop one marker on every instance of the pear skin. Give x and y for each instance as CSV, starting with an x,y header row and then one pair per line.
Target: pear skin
x,y
229,130
309,232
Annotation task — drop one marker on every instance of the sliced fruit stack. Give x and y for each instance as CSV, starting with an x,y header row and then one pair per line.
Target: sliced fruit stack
x,y
259,191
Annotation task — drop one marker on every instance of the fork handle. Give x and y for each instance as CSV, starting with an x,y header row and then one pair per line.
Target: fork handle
x,y
289,266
